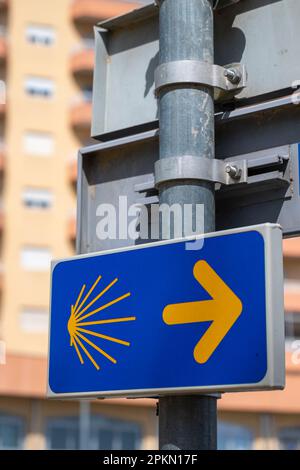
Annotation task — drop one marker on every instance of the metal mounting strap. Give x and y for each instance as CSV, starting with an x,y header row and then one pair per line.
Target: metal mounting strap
x,y
189,167
229,78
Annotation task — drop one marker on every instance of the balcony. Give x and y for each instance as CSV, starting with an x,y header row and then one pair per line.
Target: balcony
x,y
82,59
2,156
92,11
3,44
72,171
72,227
291,247
2,109
81,111
292,296
3,4
1,230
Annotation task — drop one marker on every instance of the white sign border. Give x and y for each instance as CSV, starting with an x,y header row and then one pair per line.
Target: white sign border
x,y
275,375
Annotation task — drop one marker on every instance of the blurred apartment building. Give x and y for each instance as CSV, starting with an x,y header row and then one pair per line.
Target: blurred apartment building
x,y
46,62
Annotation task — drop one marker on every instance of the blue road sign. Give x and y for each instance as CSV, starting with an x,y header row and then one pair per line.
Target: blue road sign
x,y
161,318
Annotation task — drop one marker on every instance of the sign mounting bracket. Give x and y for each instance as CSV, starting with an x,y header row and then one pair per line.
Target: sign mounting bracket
x,y
230,78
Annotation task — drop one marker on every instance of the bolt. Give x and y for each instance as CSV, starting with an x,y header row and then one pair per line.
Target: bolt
x,y
233,75
234,172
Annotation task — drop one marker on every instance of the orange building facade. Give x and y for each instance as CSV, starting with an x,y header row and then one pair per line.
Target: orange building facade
x,y
46,65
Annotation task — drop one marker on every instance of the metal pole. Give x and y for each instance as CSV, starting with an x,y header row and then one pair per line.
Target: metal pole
x,y
84,425
186,115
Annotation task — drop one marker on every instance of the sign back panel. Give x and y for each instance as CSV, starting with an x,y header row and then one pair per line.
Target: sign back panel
x,y
263,35
120,168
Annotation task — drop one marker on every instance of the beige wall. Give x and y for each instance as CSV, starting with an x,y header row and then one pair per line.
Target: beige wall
x,y
36,227
24,375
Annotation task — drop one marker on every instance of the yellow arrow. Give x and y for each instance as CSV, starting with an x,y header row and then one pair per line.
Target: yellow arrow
x,y
223,310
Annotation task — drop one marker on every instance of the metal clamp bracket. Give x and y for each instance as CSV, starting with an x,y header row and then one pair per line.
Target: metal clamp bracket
x,y
230,78
244,174
189,167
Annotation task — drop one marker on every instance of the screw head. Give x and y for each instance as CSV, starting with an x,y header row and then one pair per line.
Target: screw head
x,y
233,75
233,171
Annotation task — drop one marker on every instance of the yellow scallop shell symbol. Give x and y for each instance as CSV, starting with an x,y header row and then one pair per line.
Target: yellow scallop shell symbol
x,y
77,323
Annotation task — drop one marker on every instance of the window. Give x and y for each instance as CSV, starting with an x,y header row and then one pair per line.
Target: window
x,y
292,327
11,432
87,93
2,353
105,434
234,437
38,143
63,434
86,43
289,438
109,434
39,86
35,259
40,34
37,198
34,320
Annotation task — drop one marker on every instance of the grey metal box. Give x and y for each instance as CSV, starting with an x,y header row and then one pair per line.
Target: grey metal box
x,y
262,34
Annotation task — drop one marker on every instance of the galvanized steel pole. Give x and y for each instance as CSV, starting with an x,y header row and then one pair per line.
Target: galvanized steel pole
x,y
186,116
